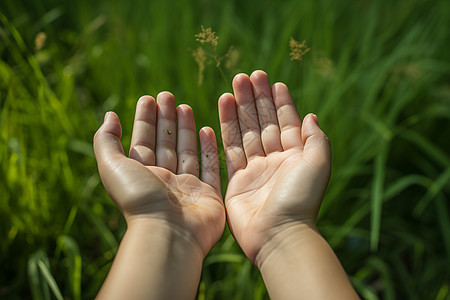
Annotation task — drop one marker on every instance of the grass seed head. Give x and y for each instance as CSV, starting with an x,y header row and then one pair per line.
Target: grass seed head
x,y
297,49
232,59
207,36
39,41
200,58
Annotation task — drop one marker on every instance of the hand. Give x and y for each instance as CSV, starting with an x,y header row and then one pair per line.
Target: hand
x,y
160,180
278,167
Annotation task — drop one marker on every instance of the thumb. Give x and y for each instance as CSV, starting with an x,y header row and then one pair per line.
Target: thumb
x,y
107,145
316,145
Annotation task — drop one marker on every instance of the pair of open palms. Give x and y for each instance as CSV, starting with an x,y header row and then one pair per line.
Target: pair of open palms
x,y
278,166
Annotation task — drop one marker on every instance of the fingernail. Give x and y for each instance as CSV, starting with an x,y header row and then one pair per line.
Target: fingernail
x,y
316,119
106,116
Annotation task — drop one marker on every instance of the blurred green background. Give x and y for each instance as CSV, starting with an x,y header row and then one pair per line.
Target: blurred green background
x,y
377,75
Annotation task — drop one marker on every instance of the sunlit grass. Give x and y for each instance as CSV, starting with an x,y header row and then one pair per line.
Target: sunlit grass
x,y
376,75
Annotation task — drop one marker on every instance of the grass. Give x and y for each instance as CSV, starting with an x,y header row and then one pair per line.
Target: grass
x,y
377,75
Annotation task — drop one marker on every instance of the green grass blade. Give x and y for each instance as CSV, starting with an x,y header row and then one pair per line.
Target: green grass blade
x,y
405,182
435,188
34,278
444,222
377,196
72,252
41,278
101,227
434,152
50,280
385,276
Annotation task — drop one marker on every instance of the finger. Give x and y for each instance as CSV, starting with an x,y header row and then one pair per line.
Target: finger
x,y
143,138
288,117
316,144
248,116
210,159
166,135
187,141
267,116
231,134
107,146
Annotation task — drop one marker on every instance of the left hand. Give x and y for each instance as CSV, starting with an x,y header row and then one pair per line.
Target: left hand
x,y
278,166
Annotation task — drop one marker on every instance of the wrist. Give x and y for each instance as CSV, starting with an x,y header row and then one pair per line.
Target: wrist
x,y
286,239
153,257
155,230
298,261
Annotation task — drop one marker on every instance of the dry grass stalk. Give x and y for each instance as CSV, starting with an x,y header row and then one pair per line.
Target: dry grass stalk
x,y
208,37
200,58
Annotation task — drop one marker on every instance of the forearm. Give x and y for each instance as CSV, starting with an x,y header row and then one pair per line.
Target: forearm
x,y
153,262
299,264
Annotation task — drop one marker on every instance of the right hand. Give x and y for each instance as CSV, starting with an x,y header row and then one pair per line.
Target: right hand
x,y
159,182
278,167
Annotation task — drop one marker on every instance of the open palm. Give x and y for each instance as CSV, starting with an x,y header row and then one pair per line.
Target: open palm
x,y
160,180
278,168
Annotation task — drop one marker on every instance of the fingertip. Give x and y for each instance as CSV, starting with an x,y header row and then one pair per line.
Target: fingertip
x,y
309,122
166,97
316,142
316,119
184,109
240,76
210,158
258,75
107,138
109,115
113,116
240,79
311,127
278,86
105,118
166,110
146,99
226,98
227,107
281,95
185,118
112,123
207,133
312,119
185,106
165,94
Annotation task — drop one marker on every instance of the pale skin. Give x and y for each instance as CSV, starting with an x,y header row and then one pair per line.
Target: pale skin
x,y
278,170
173,216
